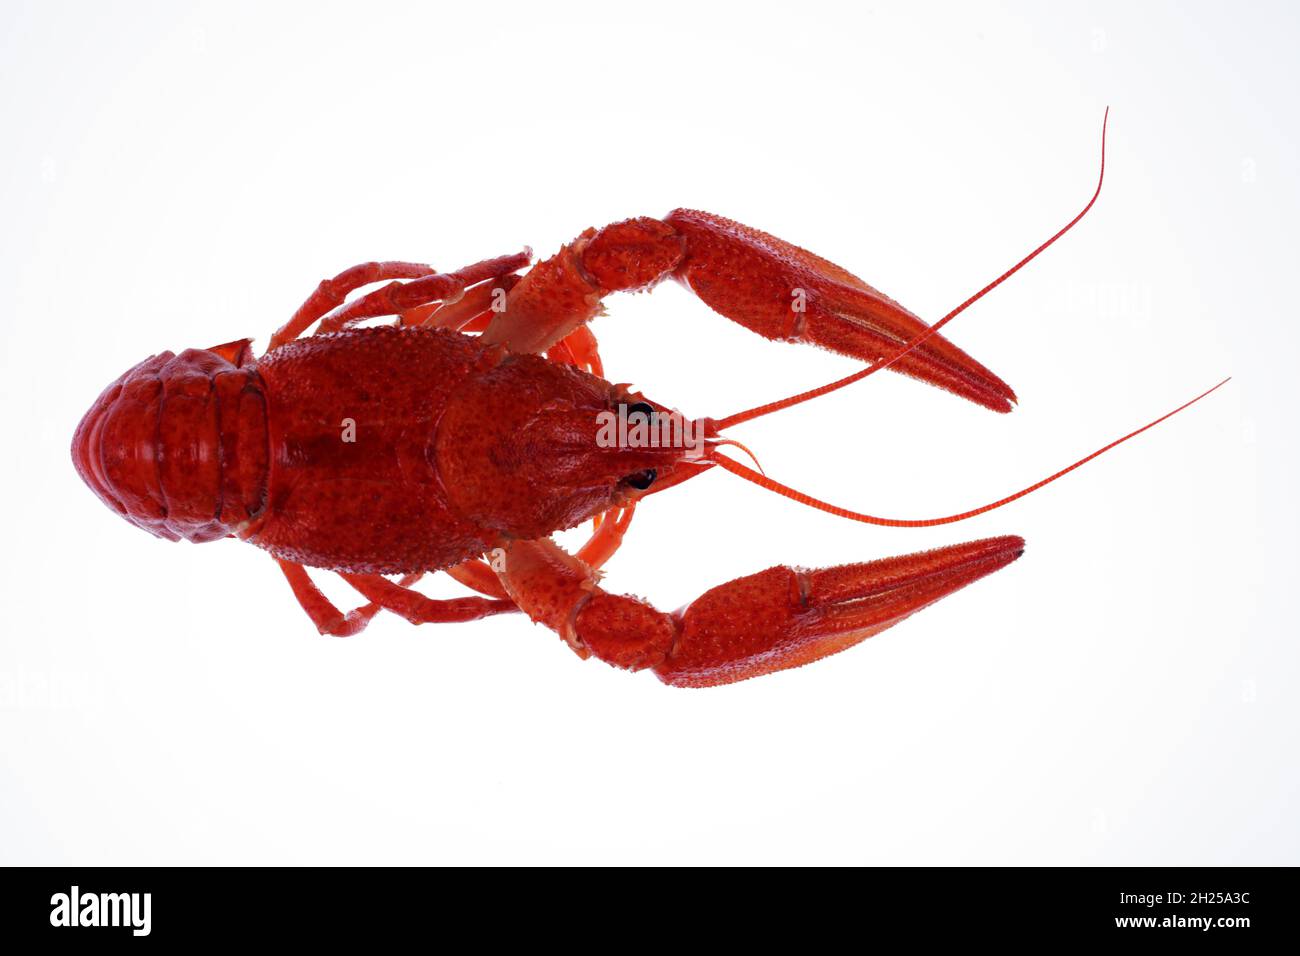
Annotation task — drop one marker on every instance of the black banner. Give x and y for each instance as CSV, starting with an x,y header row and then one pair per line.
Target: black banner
x,y
133,906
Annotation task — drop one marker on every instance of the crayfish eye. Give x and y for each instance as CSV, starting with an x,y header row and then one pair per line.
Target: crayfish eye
x,y
641,408
641,480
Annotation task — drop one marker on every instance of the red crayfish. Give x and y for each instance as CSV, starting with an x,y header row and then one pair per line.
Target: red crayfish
x,y
421,446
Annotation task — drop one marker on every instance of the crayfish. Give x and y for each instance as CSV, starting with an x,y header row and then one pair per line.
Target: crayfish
x,y
461,437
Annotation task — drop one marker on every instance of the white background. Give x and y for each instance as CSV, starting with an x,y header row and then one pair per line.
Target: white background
x,y
1125,693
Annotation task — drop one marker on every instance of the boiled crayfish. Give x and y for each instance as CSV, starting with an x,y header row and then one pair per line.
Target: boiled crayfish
x,y
422,446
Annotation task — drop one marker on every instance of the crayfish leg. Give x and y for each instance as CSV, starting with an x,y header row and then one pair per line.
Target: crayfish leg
x,y
331,293
426,286
329,620
383,594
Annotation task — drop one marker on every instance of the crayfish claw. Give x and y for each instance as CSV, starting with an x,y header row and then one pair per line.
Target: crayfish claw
x,y
785,617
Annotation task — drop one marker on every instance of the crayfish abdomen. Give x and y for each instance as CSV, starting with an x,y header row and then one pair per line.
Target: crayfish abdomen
x,y
178,445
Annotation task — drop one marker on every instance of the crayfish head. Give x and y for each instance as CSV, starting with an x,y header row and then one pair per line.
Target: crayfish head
x,y
534,447
178,444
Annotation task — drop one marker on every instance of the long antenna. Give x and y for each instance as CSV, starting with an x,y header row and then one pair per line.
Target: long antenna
x,y
736,468
784,403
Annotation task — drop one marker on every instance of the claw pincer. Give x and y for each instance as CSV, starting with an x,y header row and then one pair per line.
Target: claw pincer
x,y
787,617
786,293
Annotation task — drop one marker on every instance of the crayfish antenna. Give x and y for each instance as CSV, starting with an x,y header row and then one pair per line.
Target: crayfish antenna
x,y
719,442
736,468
